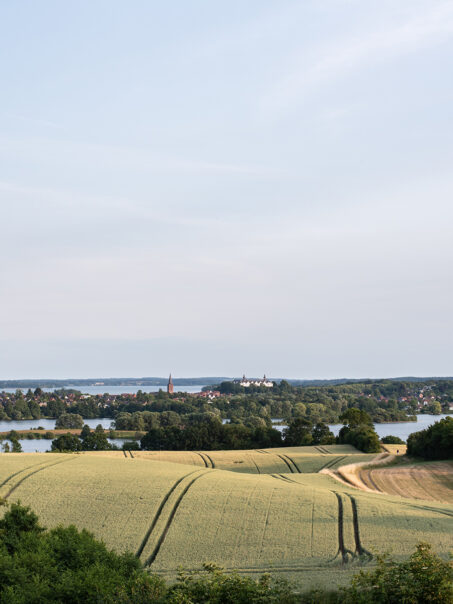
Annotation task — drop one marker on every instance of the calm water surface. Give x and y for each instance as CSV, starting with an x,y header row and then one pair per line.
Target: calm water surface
x,y
401,429
48,424
44,444
116,389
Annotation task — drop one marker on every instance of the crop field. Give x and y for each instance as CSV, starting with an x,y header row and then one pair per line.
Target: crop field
x,y
260,461
395,449
303,525
432,481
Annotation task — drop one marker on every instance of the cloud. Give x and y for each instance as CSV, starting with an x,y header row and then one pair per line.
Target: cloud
x,y
431,27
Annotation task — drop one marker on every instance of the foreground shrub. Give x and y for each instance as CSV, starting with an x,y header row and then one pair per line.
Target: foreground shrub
x,y
423,578
64,565
214,586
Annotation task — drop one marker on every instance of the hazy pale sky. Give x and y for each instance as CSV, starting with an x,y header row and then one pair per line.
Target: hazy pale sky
x,y
212,188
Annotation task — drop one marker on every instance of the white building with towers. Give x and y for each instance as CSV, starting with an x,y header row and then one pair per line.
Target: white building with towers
x,y
247,382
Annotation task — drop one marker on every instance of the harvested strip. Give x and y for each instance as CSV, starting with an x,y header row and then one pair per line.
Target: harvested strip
x,y
158,513
153,556
366,477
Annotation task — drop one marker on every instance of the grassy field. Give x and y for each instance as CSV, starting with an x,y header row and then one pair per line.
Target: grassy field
x,y
301,524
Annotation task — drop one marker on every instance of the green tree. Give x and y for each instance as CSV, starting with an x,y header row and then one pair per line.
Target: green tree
x,y
69,420
435,442
96,441
85,431
435,408
67,442
322,435
16,447
392,440
298,433
355,417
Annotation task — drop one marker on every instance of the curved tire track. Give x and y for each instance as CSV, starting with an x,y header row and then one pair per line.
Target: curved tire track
x,y
286,462
22,470
35,472
158,513
156,550
294,463
342,550
359,549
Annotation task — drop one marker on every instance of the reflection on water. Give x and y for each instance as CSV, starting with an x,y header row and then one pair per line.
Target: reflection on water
x,y
48,424
44,444
401,429
105,389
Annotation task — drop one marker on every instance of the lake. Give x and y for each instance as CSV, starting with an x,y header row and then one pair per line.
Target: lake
x,y
48,424
401,429
116,389
44,444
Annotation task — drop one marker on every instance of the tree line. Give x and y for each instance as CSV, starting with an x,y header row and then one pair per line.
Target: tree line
x,y
384,400
213,435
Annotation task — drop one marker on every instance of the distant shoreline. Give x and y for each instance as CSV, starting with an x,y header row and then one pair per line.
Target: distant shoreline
x,y
78,383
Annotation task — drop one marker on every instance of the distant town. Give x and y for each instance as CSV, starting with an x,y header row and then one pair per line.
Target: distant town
x,y
194,381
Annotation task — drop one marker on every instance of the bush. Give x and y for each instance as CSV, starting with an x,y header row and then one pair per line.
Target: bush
x,y
392,440
214,586
423,578
66,565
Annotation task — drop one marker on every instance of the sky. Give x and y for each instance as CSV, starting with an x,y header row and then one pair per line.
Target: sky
x,y
219,188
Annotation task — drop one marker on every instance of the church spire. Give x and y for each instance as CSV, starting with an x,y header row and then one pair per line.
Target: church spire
x,y
170,387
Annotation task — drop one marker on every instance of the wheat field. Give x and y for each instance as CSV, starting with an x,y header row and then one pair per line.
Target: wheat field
x,y
301,524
